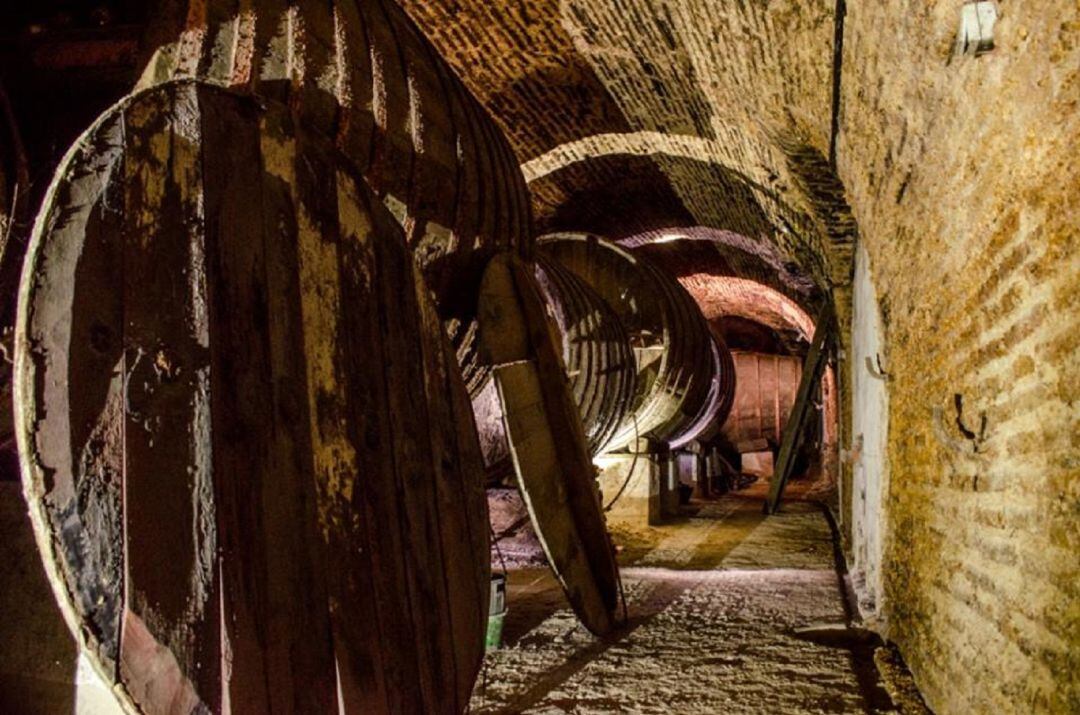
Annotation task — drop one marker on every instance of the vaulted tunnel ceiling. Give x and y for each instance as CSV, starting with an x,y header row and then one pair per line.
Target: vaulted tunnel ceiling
x,y
635,118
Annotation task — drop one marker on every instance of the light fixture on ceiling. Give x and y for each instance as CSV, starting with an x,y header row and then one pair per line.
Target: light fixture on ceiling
x,y
669,237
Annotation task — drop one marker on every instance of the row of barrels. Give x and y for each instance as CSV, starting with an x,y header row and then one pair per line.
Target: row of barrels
x,y
249,454
642,362
246,443
684,382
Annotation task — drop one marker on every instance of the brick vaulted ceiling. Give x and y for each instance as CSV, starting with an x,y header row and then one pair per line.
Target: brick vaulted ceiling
x,y
635,117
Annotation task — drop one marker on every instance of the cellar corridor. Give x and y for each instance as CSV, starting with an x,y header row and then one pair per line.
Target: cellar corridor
x,y
394,357
728,612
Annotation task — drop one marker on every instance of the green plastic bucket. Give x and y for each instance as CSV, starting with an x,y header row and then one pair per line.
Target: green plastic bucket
x,y
496,612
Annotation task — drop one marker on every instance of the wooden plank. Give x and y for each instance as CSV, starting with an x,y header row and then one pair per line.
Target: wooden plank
x,y
547,441
368,503
423,588
169,630
461,503
364,612
418,456
241,405
324,319
409,418
393,152
299,217
793,430
356,124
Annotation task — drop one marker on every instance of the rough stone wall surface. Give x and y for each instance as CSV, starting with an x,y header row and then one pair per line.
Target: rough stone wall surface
x,y
961,172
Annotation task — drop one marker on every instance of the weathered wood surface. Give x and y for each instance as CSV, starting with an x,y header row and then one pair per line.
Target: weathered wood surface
x,y
672,342
247,447
812,370
360,71
596,350
764,396
547,440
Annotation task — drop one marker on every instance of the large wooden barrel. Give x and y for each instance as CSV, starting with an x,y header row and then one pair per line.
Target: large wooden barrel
x,y
764,396
677,388
362,72
246,445
714,410
598,360
596,351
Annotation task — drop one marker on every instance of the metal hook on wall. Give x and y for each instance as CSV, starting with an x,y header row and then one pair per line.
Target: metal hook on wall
x,y
977,437
943,435
879,371
974,440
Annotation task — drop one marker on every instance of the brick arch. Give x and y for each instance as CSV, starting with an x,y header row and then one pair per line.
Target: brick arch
x,y
725,295
622,184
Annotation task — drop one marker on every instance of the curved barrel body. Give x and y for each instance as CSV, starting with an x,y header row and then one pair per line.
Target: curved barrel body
x,y
764,398
599,364
360,71
682,381
547,439
596,350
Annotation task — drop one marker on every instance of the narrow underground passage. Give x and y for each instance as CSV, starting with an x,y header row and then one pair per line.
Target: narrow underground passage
x,y
726,610
736,341
723,604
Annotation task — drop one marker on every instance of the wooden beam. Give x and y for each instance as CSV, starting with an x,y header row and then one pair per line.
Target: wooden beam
x,y
813,368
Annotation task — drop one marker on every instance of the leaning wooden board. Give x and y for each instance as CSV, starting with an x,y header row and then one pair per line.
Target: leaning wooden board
x,y
547,440
247,447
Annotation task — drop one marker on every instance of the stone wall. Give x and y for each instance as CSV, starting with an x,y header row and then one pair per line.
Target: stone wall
x,y
961,172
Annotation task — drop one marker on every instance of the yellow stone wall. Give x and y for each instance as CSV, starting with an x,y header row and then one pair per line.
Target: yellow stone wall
x,y
962,175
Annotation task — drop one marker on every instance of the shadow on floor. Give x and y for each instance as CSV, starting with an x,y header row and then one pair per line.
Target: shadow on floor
x,y
719,603
37,673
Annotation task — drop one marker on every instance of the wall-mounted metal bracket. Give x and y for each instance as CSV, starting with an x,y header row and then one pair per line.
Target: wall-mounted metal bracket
x,y
973,442
878,371
943,436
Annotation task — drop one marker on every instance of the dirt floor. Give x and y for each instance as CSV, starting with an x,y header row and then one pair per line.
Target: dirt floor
x,y
729,612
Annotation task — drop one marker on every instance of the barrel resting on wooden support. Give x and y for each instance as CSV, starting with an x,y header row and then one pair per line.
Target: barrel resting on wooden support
x,y
648,376
684,382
